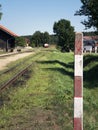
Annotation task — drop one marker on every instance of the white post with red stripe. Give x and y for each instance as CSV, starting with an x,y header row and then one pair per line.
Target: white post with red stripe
x,y
78,82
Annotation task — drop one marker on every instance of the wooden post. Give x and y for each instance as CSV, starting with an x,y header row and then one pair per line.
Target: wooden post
x,y
78,82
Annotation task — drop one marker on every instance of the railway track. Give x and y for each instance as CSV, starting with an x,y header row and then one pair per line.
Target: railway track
x,y
16,73
14,78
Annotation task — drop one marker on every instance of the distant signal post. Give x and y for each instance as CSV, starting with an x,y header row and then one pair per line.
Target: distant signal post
x,y
78,82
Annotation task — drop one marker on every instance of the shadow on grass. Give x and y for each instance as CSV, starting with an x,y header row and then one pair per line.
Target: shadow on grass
x,y
89,58
62,70
91,75
61,102
69,65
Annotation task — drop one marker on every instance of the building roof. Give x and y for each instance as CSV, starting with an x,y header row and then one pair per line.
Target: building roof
x,y
8,31
90,37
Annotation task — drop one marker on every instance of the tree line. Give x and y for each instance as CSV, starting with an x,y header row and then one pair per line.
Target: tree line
x,y
64,33
63,36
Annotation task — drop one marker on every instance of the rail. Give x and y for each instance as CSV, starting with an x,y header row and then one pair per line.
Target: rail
x,y
17,72
14,78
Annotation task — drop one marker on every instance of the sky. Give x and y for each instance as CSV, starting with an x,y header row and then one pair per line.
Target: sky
x,y
25,17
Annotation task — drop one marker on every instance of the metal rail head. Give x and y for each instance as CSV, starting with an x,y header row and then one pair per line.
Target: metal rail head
x,y
14,78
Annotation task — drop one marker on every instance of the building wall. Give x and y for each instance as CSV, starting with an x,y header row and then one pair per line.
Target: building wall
x,y
6,40
87,48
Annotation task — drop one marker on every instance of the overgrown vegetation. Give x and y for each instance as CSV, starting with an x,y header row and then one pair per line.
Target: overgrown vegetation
x,y
90,92
14,68
45,100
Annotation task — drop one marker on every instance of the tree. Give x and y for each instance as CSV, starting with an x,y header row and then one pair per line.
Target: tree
x,y
39,39
46,37
20,41
89,8
53,39
0,12
65,33
36,39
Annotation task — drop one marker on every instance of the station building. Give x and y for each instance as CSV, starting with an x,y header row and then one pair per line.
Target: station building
x,y
90,44
7,39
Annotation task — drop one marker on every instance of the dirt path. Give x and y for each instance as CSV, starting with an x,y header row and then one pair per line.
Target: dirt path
x,y
5,60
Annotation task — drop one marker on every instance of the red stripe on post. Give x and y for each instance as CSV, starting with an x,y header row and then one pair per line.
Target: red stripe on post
x,y
78,44
78,86
78,124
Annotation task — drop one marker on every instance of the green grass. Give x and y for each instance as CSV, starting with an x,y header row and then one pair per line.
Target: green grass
x,y
45,100
14,67
91,92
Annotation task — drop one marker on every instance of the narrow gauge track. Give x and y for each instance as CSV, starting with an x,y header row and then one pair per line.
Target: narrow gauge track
x,y
8,82
14,78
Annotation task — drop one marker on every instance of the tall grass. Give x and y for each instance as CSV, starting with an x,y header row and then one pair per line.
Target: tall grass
x,y
45,100
91,92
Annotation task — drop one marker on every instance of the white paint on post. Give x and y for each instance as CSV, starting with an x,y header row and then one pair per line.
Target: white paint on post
x,y
78,65
78,105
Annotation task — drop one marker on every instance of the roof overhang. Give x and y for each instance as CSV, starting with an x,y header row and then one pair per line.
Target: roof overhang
x,y
8,31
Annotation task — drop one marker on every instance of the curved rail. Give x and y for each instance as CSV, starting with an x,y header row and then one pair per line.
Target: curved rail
x,y
14,78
